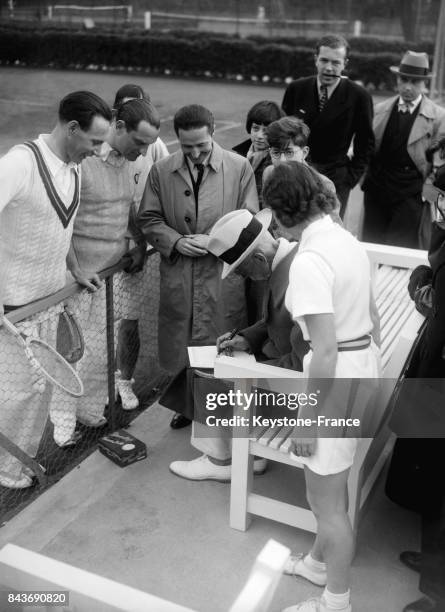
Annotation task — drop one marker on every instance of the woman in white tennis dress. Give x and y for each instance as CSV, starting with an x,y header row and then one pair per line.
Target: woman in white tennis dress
x,y
330,296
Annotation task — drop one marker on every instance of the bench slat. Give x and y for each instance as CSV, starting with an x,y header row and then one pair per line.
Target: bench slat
x,y
279,440
269,435
258,432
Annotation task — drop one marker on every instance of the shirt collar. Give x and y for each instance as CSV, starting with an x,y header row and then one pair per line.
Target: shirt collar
x,y
205,161
178,159
110,155
53,162
105,151
284,246
412,105
320,225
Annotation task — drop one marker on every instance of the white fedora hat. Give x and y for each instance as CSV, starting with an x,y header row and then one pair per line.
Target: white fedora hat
x,y
414,65
235,236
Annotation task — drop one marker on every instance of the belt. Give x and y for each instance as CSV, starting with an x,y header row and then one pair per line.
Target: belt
x,y
358,344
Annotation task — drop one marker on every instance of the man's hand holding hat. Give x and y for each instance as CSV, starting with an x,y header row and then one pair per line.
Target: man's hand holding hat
x,y
193,245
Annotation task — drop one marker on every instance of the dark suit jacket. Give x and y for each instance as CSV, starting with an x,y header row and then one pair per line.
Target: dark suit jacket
x,y
276,336
348,114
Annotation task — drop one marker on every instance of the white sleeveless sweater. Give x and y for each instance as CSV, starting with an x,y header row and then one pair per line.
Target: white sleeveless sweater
x,y
33,244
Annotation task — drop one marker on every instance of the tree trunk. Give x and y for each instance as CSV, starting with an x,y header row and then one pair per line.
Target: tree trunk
x,y
410,12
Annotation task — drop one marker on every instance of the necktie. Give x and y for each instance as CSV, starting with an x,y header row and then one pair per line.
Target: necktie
x,y
405,107
323,97
200,169
197,182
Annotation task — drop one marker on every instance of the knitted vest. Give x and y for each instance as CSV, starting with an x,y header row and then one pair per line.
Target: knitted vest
x,y
33,244
100,228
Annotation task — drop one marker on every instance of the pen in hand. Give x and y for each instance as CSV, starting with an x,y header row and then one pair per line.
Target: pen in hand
x,y
229,350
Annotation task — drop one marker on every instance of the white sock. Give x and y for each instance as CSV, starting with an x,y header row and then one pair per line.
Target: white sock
x,y
336,601
313,564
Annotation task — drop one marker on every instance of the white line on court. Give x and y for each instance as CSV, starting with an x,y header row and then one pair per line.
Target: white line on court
x,y
28,102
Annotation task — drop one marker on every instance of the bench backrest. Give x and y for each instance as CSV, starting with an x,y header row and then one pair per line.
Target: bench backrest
x,y
399,321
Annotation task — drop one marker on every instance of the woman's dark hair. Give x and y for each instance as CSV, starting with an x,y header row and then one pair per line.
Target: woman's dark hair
x,y
285,130
296,193
134,111
263,112
192,117
130,90
83,106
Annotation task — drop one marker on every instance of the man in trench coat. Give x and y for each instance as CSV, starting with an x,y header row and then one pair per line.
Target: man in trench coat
x,y
405,127
185,195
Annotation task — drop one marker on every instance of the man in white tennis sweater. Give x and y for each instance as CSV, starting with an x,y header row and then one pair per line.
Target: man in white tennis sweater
x,y
38,202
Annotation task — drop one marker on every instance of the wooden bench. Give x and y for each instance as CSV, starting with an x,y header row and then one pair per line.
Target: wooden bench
x,y
23,570
400,323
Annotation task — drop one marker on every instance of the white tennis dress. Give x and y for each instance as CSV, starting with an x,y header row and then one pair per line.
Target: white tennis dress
x,y
331,275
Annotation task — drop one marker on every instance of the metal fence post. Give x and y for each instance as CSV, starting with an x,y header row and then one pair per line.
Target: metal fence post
x,y
110,350
438,63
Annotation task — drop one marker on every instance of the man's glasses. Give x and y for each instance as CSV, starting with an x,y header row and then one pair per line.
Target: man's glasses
x,y
276,154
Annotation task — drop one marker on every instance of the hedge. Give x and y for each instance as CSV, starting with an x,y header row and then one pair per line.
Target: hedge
x,y
366,44
362,44
198,55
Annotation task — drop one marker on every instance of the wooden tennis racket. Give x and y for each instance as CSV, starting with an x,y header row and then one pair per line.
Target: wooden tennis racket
x,y
46,361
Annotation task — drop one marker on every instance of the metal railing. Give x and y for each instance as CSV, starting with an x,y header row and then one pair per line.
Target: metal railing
x,y
45,436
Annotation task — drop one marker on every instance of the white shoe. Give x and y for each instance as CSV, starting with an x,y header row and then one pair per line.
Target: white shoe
x,y
203,469
315,604
22,483
296,566
125,390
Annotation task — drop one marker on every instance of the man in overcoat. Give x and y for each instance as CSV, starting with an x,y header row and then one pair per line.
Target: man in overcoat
x,y
338,113
247,248
405,126
185,195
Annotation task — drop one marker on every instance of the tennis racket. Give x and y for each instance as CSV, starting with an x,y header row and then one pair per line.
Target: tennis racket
x,y
46,361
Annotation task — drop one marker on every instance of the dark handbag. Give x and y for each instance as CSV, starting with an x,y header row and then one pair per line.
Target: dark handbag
x,y
421,290
424,300
70,343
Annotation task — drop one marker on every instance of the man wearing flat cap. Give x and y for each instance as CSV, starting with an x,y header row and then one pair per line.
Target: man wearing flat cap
x,y
405,127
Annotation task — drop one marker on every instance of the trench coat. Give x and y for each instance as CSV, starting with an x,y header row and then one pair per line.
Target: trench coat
x,y
196,306
415,479
429,125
